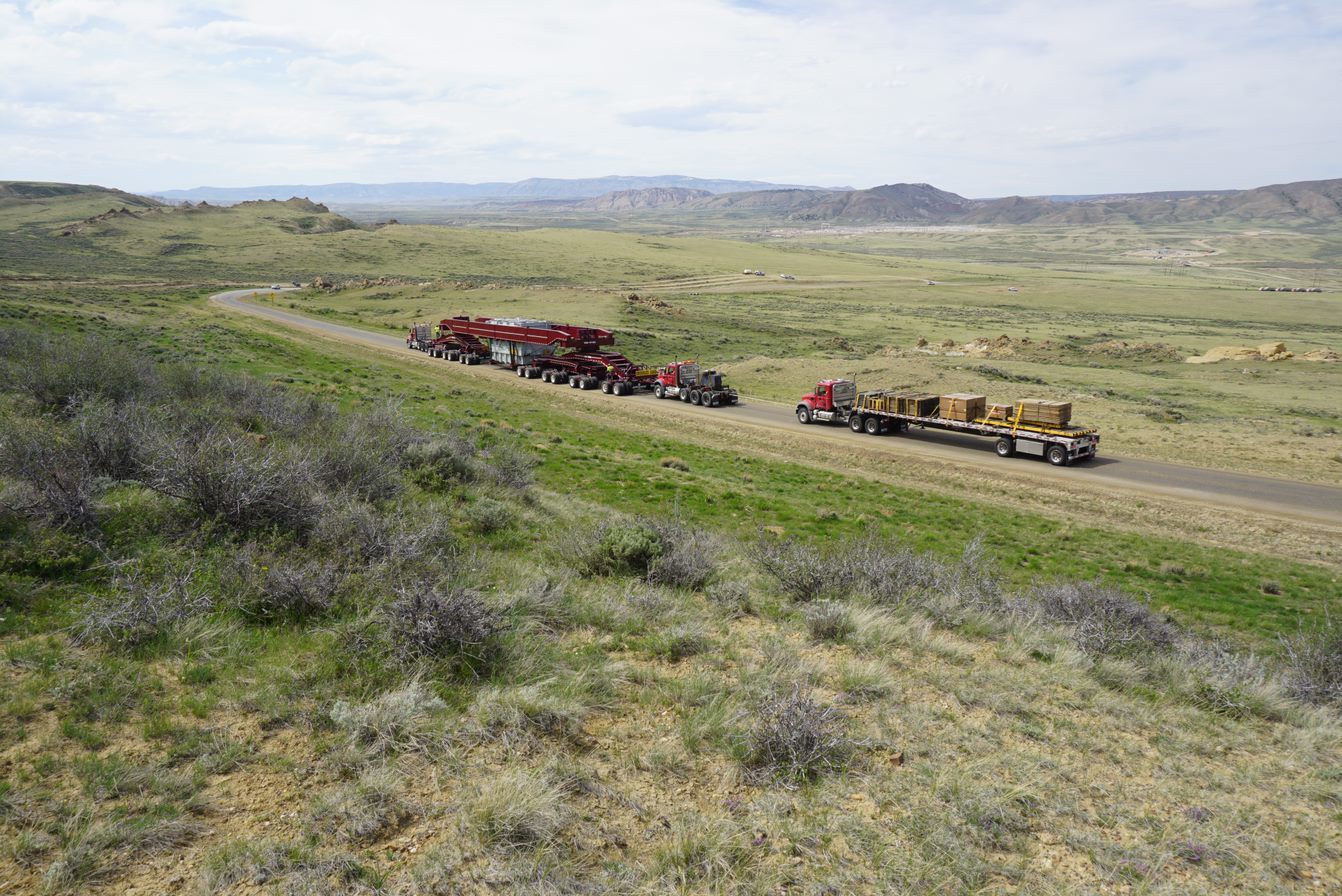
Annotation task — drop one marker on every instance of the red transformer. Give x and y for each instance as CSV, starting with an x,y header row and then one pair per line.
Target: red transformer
x,y
538,349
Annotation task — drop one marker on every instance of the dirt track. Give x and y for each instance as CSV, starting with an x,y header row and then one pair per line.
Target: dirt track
x,y
1251,502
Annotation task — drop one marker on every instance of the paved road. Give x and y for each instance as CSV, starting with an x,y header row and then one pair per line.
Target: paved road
x,y
1264,495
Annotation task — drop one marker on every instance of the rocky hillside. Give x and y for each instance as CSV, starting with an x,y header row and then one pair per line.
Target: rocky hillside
x,y
16,192
631,200
1306,201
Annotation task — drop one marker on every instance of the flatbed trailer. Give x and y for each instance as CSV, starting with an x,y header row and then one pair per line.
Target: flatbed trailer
x,y
887,412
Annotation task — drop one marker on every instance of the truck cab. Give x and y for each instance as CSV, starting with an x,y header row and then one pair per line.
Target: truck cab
x,y
831,402
687,381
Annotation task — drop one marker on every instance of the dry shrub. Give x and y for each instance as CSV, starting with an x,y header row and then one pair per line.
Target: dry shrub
x,y
406,535
247,483
427,623
362,453
1103,621
57,482
1312,661
689,557
796,739
141,608
800,570
273,588
59,373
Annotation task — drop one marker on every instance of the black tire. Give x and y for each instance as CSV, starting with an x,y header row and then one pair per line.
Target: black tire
x,y
1005,447
545,376
522,372
1057,455
659,390
574,382
855,422
712,401
685,395
617,388
803,414
872,426
605,386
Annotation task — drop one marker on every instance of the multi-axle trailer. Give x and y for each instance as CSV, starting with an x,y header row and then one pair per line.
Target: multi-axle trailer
x,y
536,349
879,413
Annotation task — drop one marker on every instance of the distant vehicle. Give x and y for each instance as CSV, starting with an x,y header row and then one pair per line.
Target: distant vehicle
x,y
276,286
1012,289
787,276
759,273
297,284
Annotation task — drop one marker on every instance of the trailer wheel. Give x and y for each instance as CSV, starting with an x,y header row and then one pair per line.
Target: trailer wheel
x,y
605,386
803,414
1057,455
1005,447
855,422
574,382
872,426
659,390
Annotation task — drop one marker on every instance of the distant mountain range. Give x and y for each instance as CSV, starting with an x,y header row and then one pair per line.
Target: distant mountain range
x,y
926,204
1318,201
535,188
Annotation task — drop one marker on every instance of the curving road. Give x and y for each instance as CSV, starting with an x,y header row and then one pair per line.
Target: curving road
x,y
1264,495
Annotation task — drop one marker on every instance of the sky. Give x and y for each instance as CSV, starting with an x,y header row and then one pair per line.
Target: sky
x,y
980,97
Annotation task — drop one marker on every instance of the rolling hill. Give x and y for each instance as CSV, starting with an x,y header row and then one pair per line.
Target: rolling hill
x,y
531,189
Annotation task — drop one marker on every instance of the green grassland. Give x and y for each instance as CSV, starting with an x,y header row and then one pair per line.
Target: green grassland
x,y
445,679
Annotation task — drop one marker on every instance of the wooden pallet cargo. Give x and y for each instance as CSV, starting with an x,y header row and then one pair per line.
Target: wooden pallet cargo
x,y
963,406
1042,412
918,404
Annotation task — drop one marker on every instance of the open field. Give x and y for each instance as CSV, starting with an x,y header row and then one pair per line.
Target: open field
x,y
547,641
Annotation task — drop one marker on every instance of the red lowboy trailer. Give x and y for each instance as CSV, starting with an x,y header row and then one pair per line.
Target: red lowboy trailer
x,y
538,349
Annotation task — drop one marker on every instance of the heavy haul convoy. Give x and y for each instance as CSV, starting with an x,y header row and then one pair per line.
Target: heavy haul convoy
x,y
560,353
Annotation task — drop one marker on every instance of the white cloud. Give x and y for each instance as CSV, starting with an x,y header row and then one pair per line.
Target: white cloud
x,y
1015,96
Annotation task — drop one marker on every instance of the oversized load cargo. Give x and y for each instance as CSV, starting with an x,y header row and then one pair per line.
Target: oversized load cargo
x,y
963,406
919,404
1045,413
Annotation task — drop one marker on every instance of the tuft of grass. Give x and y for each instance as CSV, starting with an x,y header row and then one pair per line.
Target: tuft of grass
x,y
517,807
703,855
399,721
829,620
361,810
